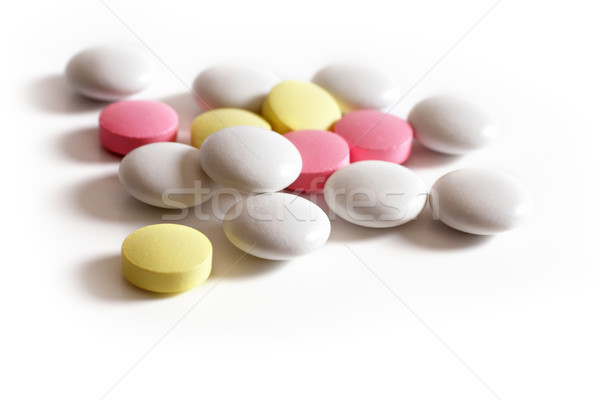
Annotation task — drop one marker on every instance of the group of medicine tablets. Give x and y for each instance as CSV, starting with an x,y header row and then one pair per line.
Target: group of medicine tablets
x,y
271,139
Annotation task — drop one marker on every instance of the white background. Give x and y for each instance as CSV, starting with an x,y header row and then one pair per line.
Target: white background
x,y
414,312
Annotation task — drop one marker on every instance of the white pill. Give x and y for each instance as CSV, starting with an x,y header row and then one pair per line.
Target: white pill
x,y
453,125
167,175
250,159
276,226
358,87
480,201
376,194
110,73
233,86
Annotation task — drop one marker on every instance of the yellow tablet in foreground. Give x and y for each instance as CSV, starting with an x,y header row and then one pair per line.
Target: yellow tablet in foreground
x,y
166,258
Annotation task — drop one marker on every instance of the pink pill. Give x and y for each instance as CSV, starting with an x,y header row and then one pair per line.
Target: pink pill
x,y
322,153
126,125
374,135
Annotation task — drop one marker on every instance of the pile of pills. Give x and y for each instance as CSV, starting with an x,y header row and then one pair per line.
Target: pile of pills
x,y
262,137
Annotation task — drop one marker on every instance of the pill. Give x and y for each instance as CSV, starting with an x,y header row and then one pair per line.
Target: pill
x,y
357,86
480,201
453,125
276,226
110,73
322,153
374,135
211,121
233,86
128,124
167,175
250,159
296,105
376,194
166,258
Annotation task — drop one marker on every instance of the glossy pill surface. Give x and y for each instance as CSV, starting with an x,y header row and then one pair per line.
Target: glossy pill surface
x,y
296,105
375,135
322,153
250,159
453,125
128,124
358,87
166,258
233,86
480,201
276,226
110,73
376,194
167,175
213,120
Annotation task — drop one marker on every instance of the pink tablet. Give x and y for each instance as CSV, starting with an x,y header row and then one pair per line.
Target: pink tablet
x,y
322,153
375,135
125,125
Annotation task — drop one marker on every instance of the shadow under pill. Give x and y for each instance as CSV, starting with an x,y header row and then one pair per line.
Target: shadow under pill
x,y
342,230
433,234
229,262
422,157
232,263
105,198
83,145
317,197
103,279
52,93
187,109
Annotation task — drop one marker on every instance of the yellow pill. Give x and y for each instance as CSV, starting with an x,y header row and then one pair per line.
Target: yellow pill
x,y
166,258
211,121
297,105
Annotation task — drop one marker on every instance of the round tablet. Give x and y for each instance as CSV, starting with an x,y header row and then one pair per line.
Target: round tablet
x,y
322,153
250,159
276,226
110,73
167,175
128,124
453,125
358,87
296,105
480,201
166,258
374,135
236,86
211,121
376,194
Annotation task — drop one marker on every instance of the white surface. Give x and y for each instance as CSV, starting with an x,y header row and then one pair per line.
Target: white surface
x,y
276,226
356,86
520,309
376,194
166,174
250,159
